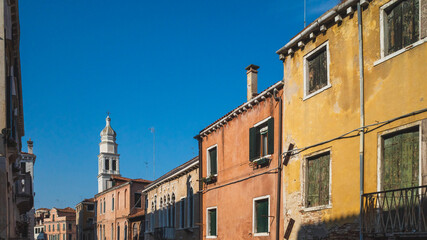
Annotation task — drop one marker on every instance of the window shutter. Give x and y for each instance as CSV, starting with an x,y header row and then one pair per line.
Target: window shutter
x,y
212,220
252,143
270,140
213,159
261,215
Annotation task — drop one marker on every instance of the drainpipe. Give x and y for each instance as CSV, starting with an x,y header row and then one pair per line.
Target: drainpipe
x,y
362,114
279,166
199,140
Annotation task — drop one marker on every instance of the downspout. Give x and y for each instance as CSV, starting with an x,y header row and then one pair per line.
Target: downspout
x,y
362,115
199,140
279,167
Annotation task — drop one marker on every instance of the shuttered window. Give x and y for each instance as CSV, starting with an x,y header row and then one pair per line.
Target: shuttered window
x,y
401,25
317,70
137,198
261,140
212,161
317,180
107,164
261,215
400,168
212,226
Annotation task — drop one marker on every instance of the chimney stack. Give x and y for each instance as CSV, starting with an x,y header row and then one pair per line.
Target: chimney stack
x,y
252,74
30,146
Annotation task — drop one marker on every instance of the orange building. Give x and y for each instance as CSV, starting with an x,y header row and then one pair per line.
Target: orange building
x,y
117,208
61,224
240,177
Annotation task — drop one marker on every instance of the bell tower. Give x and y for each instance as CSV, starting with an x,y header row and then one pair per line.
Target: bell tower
x,y
108,159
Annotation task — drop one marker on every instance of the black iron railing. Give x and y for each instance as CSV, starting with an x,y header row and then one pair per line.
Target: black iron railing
x,y
394,212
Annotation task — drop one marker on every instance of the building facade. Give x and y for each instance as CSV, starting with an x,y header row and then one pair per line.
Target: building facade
x,y
39,229
15,204
86,220
61,224
239,167
28,159
116,205
172,204
355,122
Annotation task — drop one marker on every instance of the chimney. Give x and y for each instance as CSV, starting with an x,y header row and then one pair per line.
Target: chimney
x,y
30,146
252,74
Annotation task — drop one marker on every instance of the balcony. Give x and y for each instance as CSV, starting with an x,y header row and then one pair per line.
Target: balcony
x,y
24,193
394,213
164,233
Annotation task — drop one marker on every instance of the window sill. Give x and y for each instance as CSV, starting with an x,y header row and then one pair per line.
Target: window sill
x,y
317,92
317,208
392,55
211,236
261,234
261,158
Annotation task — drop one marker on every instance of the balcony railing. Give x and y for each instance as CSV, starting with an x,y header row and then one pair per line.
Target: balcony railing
x,y
164,233
395,212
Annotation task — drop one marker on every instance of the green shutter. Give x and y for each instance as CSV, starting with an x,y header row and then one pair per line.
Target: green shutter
x,y
252,143
270,124
317,189
212,222
261,208
213,161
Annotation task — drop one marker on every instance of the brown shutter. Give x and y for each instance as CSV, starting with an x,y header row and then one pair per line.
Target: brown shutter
x,y
252,142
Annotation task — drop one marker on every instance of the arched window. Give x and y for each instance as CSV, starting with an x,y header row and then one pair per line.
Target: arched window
x,y
135,232
125,197
104,206
112,231
103,232
118,231
126,232
160,212
100,204
112,203
190,203
118,200
173,209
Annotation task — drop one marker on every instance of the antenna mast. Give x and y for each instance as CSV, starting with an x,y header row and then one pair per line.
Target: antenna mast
x,y
154,152
305,12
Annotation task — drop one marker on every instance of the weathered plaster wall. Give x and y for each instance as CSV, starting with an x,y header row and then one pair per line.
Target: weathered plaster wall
x,y
234,201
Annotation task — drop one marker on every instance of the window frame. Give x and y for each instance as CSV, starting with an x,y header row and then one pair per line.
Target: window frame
x,y
257,125
305,181
254,217
420,40
140,199
208,157
208,223
182,222
422,128
328,61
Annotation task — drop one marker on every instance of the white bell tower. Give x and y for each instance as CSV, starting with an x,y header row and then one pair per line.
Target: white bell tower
x,y
108,159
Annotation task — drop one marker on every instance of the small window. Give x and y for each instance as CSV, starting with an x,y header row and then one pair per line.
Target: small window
x,y
317,181
316,70
104,206
261,139
112,203
90,207
114,164
70,227
70,238
49,228
211,230
401,25
107,164
63,227
53,227
261,212
181,213
212,161
138,200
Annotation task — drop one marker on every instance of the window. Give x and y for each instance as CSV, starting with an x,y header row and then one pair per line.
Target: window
x,y
261,139
107,164
125,196
112,203
400,159
49,228
118,232
104,206
90,207
138,200
190,209
53,227
316,70
261,210
181,213
173,210
112,231
57,227
401,25
63,227
211,230
317,180
70,227
212,161
114,164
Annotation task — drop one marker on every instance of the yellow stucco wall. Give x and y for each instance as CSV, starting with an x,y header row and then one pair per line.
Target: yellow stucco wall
x,y
394,87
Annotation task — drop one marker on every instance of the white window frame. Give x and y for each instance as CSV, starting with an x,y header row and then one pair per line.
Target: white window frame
x,y
265,120
254,217
208,157
304,182
382,34
422,126
328,61
208,223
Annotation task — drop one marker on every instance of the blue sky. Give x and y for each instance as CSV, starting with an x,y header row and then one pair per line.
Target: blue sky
x,y
173,65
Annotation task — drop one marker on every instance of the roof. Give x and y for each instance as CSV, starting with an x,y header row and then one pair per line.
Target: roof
x,y
243,107
124,179
108,130
335,14
138,214
67,209
44,209
193,162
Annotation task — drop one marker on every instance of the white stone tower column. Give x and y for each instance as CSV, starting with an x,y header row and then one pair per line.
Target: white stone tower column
x,y
108,159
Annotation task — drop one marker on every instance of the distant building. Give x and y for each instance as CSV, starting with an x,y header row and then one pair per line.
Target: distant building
x,y
172,205
61,224
28,159
39,229
117,205
85,220
16,199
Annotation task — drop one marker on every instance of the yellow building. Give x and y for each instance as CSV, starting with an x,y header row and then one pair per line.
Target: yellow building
x,y
325,148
